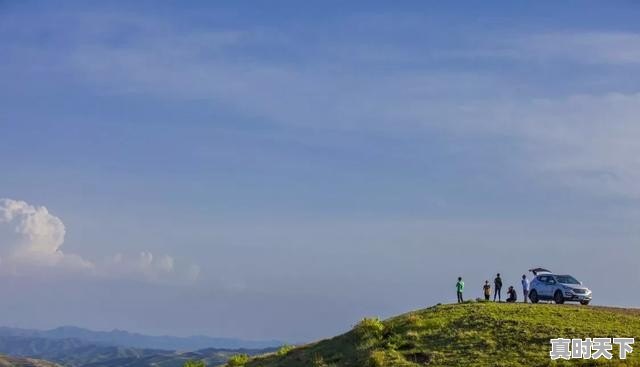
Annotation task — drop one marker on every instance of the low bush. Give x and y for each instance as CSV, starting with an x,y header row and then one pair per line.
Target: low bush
x,y
238,360
369,332
284,350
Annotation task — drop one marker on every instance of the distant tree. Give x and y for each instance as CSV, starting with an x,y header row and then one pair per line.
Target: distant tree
x,y
192,363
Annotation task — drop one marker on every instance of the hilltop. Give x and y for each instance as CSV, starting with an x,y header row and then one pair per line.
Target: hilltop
x,y
470,334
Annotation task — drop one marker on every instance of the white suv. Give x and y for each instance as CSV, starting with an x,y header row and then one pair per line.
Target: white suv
x,y
558,288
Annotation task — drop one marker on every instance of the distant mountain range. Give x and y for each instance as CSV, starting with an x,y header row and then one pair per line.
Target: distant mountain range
x,y
70,352
135,340
76,347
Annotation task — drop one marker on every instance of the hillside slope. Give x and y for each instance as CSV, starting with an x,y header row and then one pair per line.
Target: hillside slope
x,y
474,334
24,362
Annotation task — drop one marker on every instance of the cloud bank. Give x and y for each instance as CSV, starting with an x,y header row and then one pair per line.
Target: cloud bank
x,y
31,240
582,140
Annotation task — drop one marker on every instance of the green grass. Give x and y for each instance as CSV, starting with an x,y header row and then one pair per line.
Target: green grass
x,y
471,334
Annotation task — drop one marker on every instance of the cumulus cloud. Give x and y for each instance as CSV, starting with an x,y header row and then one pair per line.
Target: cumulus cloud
x,y
31,239
34,237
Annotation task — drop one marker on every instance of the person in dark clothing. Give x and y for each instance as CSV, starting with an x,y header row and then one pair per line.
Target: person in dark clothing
x,y
497,287
487,290
513,295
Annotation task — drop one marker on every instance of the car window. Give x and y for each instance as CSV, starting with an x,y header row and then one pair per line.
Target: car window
x,y
567,279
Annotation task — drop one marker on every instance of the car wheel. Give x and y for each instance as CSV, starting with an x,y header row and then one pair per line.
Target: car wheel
x,y
558,298
533,296
584,303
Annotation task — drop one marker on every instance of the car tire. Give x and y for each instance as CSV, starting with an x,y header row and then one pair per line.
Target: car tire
x,y
558,298
584,303
533,296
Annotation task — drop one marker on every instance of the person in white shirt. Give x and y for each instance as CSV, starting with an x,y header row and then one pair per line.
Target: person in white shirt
x,y
525,287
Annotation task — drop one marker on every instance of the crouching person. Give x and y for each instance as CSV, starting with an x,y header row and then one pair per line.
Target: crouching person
x,y
513,295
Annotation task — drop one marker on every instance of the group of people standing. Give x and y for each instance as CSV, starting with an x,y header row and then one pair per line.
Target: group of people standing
x,y
512,295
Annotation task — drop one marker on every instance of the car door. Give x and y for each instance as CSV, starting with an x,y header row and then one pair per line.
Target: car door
x,y
551,286
543,288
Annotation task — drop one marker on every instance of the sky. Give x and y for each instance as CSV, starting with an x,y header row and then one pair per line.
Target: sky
x,y
279,170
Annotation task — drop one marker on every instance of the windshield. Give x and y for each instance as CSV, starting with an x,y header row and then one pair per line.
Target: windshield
x,y
566,279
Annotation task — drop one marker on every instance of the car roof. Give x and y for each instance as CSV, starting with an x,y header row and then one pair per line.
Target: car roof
x,y
555,275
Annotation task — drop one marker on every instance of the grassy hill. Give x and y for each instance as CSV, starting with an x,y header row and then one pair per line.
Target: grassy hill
x,y
24,362
472,334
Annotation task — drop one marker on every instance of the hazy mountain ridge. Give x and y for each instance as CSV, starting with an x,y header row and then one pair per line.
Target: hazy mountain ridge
x,y
136,340
70,352
77,352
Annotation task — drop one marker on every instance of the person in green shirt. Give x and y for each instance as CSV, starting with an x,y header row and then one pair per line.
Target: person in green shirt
x,y
460,289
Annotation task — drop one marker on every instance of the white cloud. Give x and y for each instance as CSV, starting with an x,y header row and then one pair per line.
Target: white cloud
x,y
31,239
34,237
587,141
583,139
145,266
617,48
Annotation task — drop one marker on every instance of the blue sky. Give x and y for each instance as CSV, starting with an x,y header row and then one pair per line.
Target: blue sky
x,y
278,170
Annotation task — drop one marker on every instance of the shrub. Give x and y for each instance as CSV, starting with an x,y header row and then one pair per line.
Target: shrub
x,y
318,361
414,319
369,332
369,328
377,359
284,350
193,363
238,360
